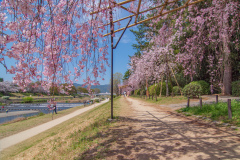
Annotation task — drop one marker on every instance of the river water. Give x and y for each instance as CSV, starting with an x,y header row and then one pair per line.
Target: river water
x,y
37,107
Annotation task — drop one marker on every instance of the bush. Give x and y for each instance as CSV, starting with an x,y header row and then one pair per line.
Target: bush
x,y
97,100
192,90
5,97
176,90
137,92
205,87
236,88
27,99
143,92
164,89
132,92
152,89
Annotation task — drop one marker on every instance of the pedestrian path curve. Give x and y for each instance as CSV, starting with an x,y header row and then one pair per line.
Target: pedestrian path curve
x,y
24,135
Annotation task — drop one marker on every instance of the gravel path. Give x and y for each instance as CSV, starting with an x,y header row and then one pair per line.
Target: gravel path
x,y
19,137
148,131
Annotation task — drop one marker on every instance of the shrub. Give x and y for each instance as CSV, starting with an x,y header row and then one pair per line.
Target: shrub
x,y
164,89
27,99
132,92
236,88
205,87
137,92
143,92
176,90
97,100
192,90
152,90
5,97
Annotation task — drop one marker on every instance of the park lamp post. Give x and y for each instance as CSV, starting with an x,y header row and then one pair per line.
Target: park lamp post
x,y
136,22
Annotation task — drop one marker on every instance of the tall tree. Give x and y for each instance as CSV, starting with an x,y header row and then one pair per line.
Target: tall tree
x,y
117,80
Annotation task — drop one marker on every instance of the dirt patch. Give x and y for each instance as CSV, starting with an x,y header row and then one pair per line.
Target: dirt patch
x,y
155,132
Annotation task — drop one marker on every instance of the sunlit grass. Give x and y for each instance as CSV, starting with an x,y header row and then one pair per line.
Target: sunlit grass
x,y
217,112
69,139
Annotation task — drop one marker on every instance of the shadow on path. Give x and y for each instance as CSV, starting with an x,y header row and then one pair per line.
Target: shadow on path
x,y
163,136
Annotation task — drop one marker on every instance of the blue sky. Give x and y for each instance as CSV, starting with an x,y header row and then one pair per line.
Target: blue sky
x,y
121,54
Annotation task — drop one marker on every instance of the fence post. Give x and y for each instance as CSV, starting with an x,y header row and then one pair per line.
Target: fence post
x,y
156,96
200,103
152,96
216,98
229,109
149,96
188,102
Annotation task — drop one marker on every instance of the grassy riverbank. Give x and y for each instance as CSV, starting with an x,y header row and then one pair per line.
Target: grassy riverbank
x,y
8,129
67,140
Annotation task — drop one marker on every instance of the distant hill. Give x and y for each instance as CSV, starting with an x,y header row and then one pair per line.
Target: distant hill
x,y
103,88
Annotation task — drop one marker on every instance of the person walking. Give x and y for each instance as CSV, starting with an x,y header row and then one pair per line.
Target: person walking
x,y
55,108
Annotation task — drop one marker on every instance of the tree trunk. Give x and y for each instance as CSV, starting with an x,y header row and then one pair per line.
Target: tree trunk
x,y
167,94
227,75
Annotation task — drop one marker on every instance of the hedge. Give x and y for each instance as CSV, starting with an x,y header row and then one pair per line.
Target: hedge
x,y
27,99
5,97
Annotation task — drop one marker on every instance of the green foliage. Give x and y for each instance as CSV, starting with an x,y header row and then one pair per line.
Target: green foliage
x,y
1,94
205,87
181,79
54,90
137,92
192,90
236,88
176,90
97,100
27,99
5,97
143,92
82,90
126,75
1,79
154,89
41,114
132,92
96,90
142,41
117,80
217,111
164,89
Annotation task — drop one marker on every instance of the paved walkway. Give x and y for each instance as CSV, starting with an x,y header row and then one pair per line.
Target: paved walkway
x,y
19,137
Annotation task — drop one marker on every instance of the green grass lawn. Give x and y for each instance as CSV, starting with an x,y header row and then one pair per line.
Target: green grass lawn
x,y
217,112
